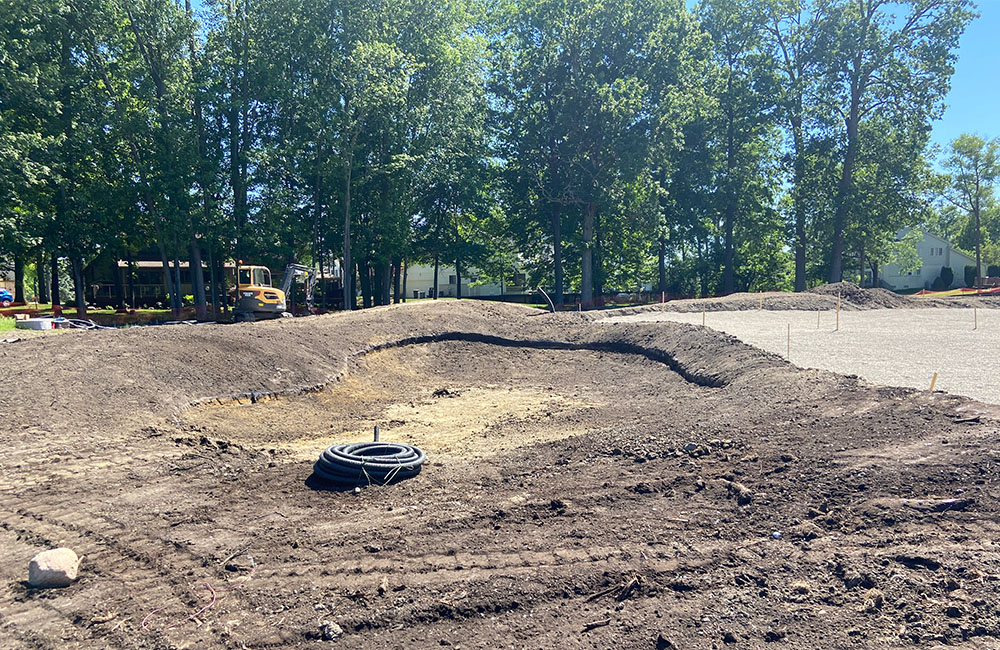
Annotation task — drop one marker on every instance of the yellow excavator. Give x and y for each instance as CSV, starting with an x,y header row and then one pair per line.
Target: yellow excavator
x,y
257,299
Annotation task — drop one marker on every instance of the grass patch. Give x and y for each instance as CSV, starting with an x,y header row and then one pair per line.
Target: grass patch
x,y
7,324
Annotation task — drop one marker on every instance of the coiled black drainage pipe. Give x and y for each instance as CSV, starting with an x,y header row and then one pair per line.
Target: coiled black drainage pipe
x,y
368,463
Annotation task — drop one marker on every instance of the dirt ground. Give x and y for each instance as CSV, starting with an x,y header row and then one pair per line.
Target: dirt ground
x,y
852,298
643,486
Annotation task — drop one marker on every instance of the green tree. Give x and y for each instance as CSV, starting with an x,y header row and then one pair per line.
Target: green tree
x,y
885,60
973,165
745,92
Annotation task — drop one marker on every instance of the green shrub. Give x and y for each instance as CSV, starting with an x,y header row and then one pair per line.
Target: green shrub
x,y
947,276
938,284
993,270
970,275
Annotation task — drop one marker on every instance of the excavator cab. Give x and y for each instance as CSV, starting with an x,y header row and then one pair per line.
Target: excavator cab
x,y
256,298
256,276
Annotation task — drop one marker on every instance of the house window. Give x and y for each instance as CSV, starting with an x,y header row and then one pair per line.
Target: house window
x,y
451,279
939,252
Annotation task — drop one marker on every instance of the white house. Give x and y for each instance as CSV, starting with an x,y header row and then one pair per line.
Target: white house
x,y
6,279
935,253
420,283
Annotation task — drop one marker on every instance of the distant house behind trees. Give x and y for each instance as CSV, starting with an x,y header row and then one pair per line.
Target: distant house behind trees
x,y
936,254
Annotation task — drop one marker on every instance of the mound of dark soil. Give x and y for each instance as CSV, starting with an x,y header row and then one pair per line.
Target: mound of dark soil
x,y
863,298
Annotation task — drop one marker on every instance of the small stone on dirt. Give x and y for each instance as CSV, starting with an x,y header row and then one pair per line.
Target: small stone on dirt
x,y
665,643
874,600
57,567
805,531
774,635
951,504
330,631
695,450
742,493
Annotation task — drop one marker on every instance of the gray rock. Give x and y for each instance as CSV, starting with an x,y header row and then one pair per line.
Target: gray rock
x,y
54,568
330,631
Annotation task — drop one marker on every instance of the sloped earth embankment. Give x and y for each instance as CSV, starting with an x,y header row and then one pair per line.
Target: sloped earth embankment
x,y
824,298
586,488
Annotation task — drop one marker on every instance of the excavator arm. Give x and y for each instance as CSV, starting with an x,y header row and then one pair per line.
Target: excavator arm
x,y
294,270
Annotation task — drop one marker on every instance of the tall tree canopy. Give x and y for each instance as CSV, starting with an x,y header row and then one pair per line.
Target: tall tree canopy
x,y
594,146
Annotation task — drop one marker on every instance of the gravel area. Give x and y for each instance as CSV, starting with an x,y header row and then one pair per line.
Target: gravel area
x,y
895,347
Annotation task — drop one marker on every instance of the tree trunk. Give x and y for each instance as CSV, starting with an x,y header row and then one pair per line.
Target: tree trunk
x,y
979,252
861,263
458,261
119,285
130,278
397,271
348,290
223,285
213,280
381,281
587,256
178,303
197,280
317,215
662,259
386,281
364,271
79,289
557,254
55,279
19,277
437,264
406,269
599,276
845,190
235,174
168,282
799,204
40,277
729,273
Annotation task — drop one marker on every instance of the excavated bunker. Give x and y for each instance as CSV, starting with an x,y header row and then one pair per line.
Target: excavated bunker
x,y
457,399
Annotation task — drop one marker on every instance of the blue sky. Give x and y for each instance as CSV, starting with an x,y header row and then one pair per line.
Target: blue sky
x,y
973,105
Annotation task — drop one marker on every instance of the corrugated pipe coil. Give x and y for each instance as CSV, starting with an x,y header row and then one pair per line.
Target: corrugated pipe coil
x,y
368,463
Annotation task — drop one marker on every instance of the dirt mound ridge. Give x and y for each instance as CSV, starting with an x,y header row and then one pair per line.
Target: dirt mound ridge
x,y
864,298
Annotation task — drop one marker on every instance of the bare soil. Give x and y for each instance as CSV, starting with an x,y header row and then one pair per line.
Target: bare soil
x,y
642,486
852,298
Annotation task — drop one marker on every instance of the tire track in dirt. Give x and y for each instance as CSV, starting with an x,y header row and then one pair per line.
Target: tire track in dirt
x,y
109,551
